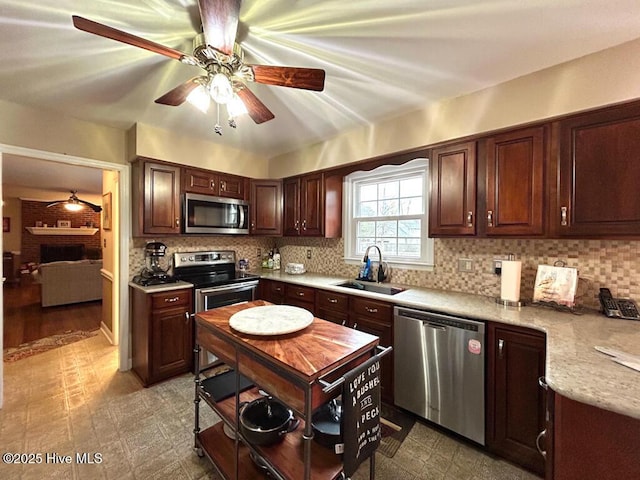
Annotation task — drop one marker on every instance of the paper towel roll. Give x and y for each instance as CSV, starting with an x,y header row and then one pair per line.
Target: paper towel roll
x,y
510,283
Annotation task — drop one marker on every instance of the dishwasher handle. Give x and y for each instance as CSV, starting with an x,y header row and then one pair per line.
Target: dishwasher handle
x,y
435,326
439,319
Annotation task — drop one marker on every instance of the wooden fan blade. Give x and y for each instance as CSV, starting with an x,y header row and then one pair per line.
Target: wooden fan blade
x,y
94,207
257,110
306,78
220,23
108,32
178,95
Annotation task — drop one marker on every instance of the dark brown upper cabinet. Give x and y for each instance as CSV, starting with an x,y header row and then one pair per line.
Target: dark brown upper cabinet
x,y
265,208
156,198
313,206
515,183
196,180
452,206
599,168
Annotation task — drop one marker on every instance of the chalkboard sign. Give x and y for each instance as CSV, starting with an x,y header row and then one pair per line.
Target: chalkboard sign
x,y
361,408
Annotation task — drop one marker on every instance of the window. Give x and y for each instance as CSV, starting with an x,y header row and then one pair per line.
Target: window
x,y
388,207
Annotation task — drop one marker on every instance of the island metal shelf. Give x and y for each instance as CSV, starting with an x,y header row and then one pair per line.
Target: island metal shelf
x,y
295,375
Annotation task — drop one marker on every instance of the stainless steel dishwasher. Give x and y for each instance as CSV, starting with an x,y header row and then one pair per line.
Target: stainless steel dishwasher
x,y
439,369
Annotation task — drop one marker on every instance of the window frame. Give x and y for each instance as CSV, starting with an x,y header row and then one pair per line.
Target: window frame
x,y
378,175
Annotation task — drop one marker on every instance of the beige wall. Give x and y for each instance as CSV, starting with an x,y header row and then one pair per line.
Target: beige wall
x,y
153,142
28,127
603,78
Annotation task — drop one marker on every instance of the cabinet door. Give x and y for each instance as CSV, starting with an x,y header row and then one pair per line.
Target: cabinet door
x,y
172,342
376,318
199,181
291,199
299,296
312,205
332,306
232,186
452,206
161,198
515,183
266,207
516,402
272,291
599,171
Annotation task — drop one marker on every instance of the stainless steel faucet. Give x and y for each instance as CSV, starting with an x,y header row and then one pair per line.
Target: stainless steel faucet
x,y
381,273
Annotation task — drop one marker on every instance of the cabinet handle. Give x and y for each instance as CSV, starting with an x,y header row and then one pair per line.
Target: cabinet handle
x,y
278,289
355,326
371,310
186,317
500,348
171,300
541,435
543,383
344,322
297,226
301,294
469,219
332,300
304,225
563,216
223,186
490,218
177,222
213,185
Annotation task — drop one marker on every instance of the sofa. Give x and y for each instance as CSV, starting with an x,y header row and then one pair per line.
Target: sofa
x,y
70,282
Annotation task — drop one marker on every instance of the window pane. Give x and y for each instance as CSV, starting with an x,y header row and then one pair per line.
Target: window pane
x,y
368,192
368,209
411,206
387,229
388,246
411,187
388,208
366,229
409,228
363,243
409,247
388,190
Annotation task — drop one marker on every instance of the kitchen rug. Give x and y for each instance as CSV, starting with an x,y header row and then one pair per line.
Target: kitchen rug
x,y
395,426
13,354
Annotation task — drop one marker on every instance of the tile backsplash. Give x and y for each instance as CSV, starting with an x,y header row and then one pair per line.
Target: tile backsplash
x,y
611,263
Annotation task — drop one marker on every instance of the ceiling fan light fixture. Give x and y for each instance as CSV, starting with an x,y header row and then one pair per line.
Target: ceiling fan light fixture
x,y
200,98
220,88
235,106
73,206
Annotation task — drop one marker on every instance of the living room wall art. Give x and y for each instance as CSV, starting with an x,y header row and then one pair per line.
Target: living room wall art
x,y
106,211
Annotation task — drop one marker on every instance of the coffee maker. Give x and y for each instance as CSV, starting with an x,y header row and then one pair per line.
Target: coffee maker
x,y
155,269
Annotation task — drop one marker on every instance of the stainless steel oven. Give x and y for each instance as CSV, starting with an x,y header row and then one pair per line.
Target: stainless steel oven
x,y
216,282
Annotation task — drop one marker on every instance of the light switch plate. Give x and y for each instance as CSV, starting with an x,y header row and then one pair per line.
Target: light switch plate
x,y
465,265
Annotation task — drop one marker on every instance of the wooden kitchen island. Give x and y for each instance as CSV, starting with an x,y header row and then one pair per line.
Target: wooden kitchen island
x,y
289,367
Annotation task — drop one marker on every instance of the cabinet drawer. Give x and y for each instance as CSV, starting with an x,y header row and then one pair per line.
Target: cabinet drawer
x,y
380,311
173,298
337,302
297,292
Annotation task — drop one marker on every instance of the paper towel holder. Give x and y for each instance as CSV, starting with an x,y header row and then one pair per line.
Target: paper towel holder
x,y
510,303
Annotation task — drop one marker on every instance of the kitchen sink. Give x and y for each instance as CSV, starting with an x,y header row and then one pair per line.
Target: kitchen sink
x,y
371,287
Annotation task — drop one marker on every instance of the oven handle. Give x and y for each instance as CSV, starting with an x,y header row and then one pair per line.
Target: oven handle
x,y
226,288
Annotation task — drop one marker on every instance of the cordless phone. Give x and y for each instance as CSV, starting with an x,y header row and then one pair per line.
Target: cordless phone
x,y
618,307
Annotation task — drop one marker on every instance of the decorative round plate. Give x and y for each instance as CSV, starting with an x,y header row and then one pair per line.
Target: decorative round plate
x,y
271,320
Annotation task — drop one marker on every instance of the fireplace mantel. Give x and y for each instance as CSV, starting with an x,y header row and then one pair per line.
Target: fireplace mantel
x,y
61,231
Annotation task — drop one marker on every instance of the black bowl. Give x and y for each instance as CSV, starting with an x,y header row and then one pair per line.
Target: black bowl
x,y
265,420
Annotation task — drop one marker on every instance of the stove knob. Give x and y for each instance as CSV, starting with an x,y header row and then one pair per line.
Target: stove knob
x,y
183,259
192,258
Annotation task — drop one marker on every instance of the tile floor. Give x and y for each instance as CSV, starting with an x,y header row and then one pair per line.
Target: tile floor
x,y
72,400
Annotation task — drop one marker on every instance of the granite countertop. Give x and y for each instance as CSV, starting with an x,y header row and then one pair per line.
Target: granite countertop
x,y
574,368
163,287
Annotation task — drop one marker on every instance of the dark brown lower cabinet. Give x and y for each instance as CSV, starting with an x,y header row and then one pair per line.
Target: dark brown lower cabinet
x,y
589,442
515,400
162,334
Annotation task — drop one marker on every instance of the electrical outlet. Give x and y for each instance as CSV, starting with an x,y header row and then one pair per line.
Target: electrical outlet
x,y
497,263
308,253
465,265
259,253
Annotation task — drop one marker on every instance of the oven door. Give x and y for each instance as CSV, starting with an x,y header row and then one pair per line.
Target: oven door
x,y
214,297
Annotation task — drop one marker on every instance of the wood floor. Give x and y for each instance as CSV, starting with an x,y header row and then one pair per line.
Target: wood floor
x,y
25,320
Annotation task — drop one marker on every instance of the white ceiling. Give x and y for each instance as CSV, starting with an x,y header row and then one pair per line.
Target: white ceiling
x,y
381,58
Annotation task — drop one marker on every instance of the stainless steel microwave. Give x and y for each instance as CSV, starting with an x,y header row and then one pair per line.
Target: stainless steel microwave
x,y
217,215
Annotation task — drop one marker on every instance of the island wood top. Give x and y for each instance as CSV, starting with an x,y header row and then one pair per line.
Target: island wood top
x,y
309,353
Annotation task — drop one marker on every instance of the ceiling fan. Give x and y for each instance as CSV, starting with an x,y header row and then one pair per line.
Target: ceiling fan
x,y
216,52
74,204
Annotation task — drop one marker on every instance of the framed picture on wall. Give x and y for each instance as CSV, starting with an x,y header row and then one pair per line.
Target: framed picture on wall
x,y
64,223
106,211
6,224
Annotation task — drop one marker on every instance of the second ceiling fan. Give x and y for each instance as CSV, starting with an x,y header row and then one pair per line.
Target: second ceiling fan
x,y
216,52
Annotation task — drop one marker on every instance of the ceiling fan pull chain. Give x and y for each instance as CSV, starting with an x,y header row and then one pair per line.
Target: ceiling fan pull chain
x,y
218,127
